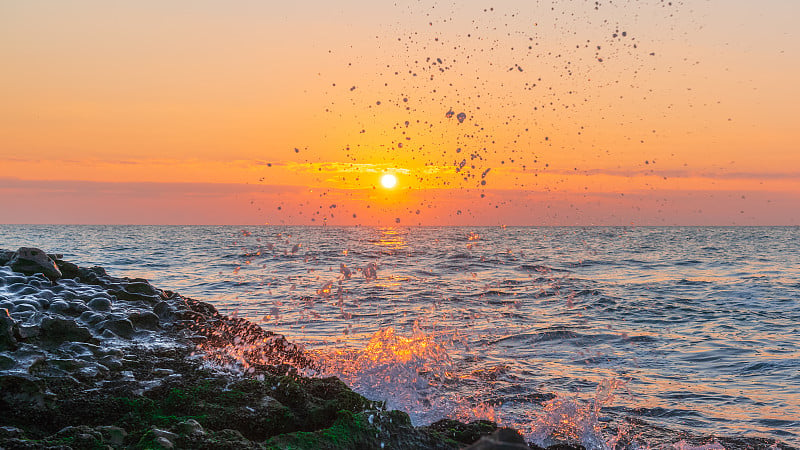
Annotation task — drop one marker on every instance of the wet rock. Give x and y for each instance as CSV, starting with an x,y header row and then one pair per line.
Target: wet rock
x,y
462,432
29,260
163,310
141,286
60,329
71,308
91,318
23,391
68,270
502,439
6,362
112,362
163,442
6,256
189,316
164,438
146,320
11,433
91,372
28,306
190,427
80,436
120,327
206,309
7,327
135,292
162,372
99,304
233,437
26,331
112,435
59,307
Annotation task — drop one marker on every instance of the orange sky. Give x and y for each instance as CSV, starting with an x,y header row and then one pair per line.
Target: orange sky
x,y
256,113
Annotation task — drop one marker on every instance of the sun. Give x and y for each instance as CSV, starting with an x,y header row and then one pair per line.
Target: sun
x,y
388,181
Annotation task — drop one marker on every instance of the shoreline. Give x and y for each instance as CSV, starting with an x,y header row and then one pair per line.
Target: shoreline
x,y
88,360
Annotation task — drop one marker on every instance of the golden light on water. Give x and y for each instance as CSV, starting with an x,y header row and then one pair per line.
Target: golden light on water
x,y
388,181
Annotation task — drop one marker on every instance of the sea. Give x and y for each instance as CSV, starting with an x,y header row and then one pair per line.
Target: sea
x,y
580,333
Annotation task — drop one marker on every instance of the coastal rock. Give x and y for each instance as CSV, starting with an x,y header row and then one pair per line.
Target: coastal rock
x,y
6,256
23,391
11,433
190,427
146,320
29,260
60,329
502,439
100,304
163,310
7,327
141,286
27,331
120,327
80,436
112,435
68,269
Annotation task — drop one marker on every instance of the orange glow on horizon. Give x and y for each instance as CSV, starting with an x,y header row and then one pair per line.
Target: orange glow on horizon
x,y
470,103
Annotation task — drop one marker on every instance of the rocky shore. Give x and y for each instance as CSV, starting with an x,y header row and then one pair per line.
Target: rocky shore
x,y
88,360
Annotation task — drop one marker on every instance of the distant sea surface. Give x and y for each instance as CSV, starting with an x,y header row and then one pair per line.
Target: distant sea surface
x,y
686,328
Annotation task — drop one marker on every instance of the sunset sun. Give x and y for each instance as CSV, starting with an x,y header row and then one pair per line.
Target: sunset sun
x,y
388,181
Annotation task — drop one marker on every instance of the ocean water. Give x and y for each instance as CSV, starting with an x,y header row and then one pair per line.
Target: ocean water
x,y
561,332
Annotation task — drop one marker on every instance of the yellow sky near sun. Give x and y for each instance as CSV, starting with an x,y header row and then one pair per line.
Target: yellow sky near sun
x,y
695,96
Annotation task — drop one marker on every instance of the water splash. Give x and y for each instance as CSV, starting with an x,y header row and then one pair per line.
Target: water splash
x,y
571,420
408,372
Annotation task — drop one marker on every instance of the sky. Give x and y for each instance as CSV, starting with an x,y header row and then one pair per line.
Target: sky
x,y
569,112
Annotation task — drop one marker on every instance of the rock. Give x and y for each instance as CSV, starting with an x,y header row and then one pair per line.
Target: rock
x,y
461,432
30,260
76,308
163,442
112,362
190,427
164,438
141,286
146,320
502,439
232,436
6,362
100,304
112,435
59,306
60,329
68,270
163,310
23,391
121,327
81,436
11,433
28,331
7,327
91,318
6,256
